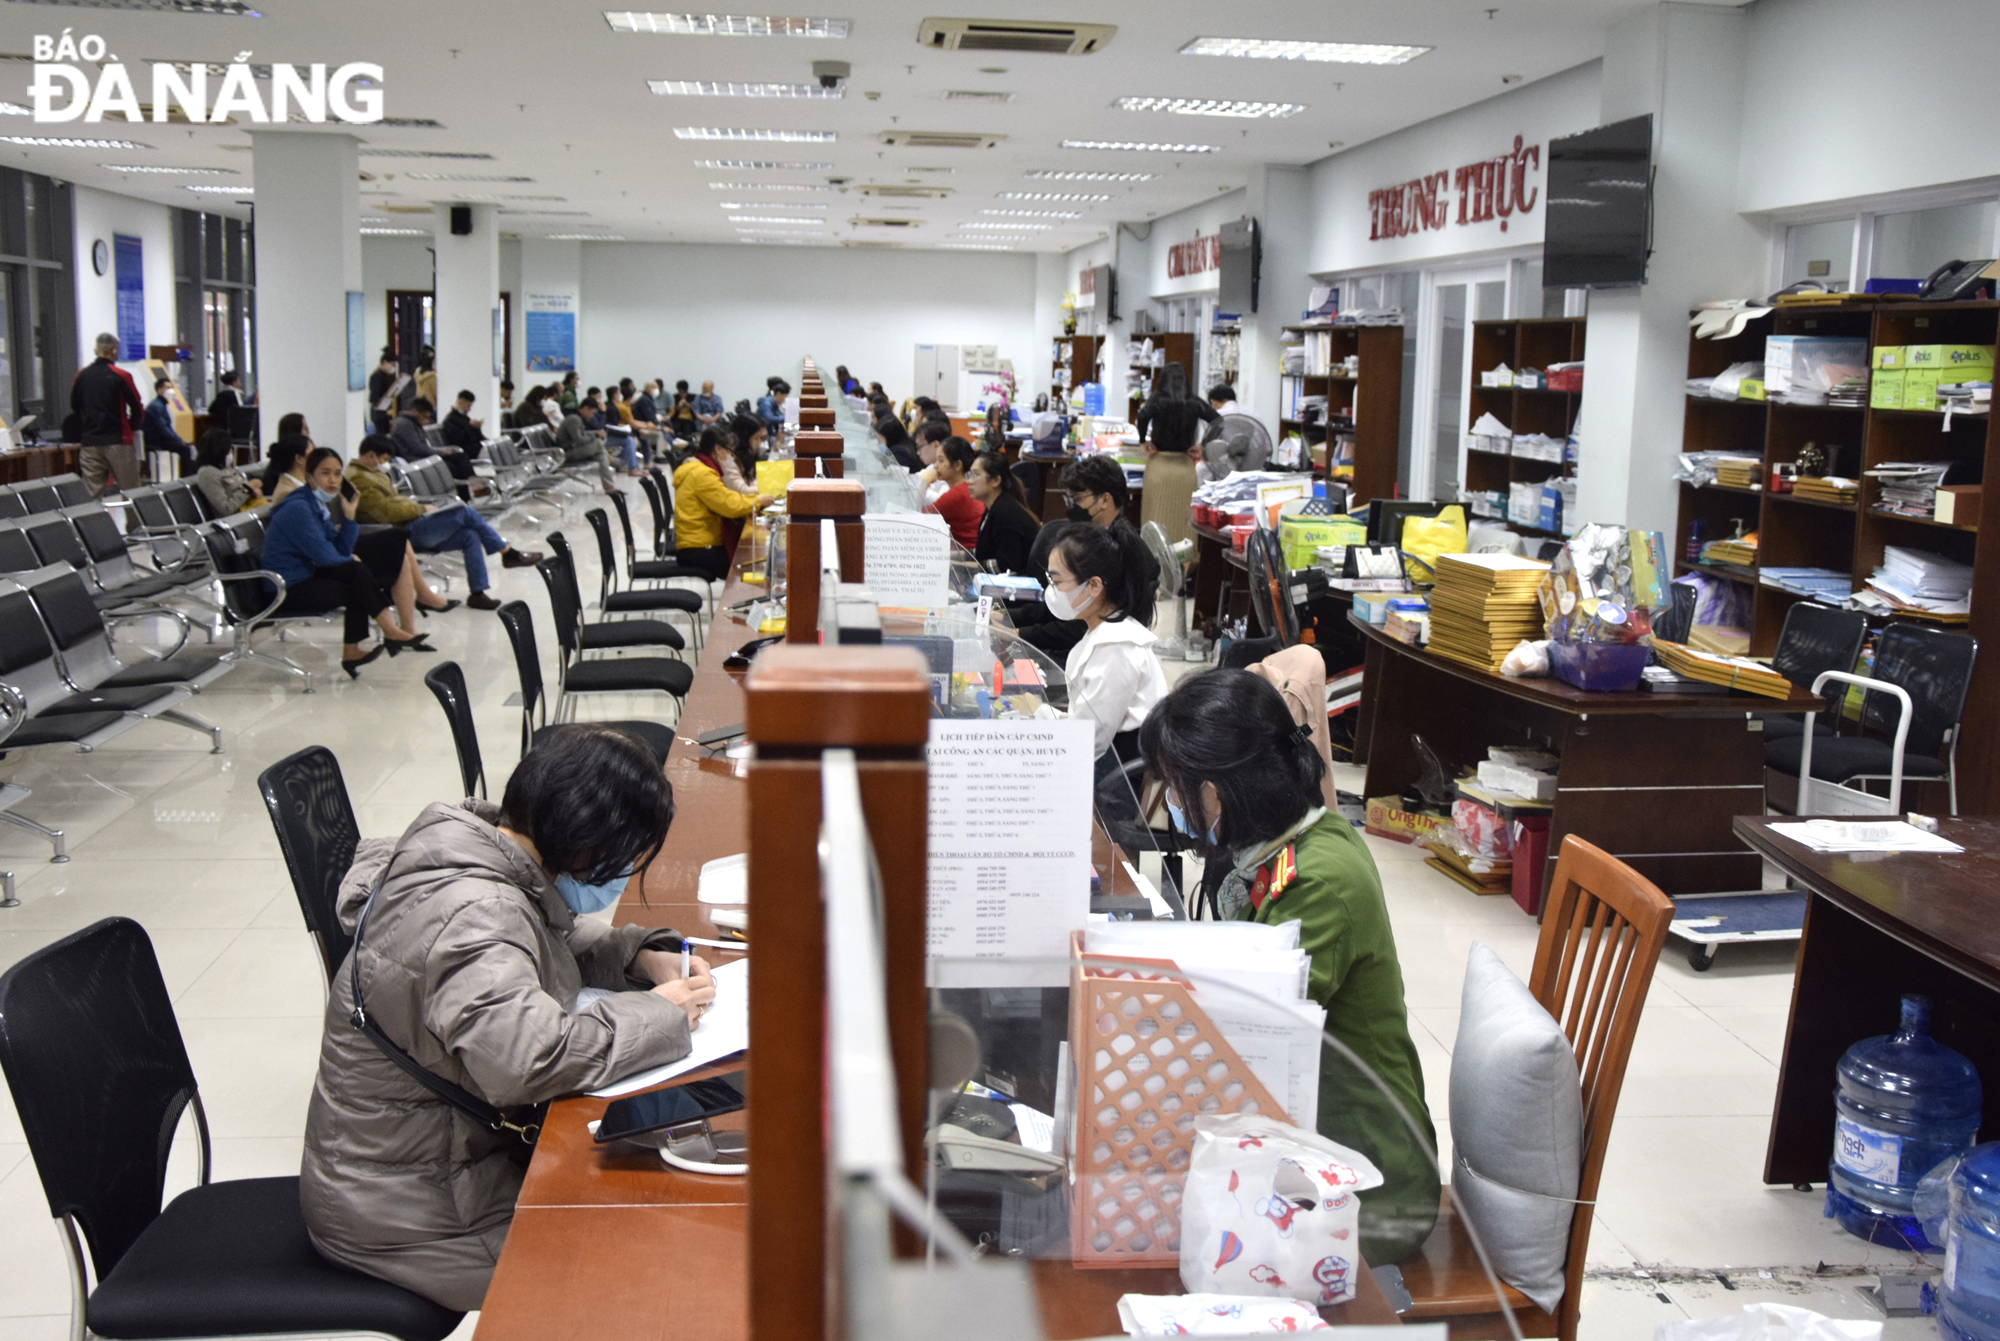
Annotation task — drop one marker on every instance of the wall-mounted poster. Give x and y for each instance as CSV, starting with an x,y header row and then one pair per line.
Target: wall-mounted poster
x,y
129,264
551,332
499,343
357,342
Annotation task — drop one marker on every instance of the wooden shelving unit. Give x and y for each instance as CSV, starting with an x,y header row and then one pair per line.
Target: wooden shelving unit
x,y
1180,348
1372,398
1530,343
1794,532
1075,362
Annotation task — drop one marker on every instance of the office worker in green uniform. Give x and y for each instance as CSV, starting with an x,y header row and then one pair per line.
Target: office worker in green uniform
x,y
1244,782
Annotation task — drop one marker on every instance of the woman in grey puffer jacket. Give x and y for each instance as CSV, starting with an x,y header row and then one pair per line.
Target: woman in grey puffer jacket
x,y
472,963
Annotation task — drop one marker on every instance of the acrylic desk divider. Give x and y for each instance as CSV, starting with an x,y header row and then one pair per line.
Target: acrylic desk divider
x,y
1147,1061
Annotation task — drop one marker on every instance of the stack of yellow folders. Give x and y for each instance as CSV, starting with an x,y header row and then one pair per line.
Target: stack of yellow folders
x,y
1738,472
1827,489
1752,677
1482,605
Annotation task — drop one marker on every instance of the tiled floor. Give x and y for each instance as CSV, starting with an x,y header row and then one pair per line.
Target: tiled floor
x,y
166,833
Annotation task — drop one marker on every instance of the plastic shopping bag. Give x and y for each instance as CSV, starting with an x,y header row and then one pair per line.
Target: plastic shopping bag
x,y
1269,1209
1427,537
1214,1315
1768,1322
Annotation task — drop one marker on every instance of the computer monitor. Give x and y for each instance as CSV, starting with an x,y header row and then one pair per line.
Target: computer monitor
x,y
1385,518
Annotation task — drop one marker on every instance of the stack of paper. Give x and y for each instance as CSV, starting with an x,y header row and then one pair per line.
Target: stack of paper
x,y
1482,605
1825,835
1735,672
1742,551
1909,488
1703,468
1250,979
1827,489
1739,472
1827,584
1921,584
1965,397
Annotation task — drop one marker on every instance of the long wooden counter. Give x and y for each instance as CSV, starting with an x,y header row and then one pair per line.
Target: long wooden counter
x,y
623,1248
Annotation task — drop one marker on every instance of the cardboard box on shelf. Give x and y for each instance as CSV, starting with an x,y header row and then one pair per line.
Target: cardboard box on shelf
x,y
1950,358
1889,356
1885,389
1958,504
1920,388
1387,819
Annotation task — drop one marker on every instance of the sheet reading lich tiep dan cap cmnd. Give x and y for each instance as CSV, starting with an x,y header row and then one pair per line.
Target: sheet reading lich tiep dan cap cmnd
x,y
1010,825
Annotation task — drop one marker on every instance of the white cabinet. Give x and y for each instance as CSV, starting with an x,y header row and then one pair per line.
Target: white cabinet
x,y
936,374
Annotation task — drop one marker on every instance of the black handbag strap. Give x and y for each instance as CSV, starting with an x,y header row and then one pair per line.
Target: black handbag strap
x,y
474,1107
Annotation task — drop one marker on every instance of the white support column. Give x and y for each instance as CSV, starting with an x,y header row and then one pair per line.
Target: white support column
x,y
308,220
1684,64
468,296
1277,198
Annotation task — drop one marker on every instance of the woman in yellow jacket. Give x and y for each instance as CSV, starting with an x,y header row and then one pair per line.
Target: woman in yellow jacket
x,y
708,514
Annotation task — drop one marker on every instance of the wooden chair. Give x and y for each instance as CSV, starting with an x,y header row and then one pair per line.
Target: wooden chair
x,y
1602,931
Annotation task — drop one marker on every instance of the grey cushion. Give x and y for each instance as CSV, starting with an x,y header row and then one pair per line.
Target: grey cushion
x,y
1516,1127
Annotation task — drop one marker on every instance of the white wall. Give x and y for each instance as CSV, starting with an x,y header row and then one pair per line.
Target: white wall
x,y
390,263
1560,105
97,216
1812,132
741,314
1204,219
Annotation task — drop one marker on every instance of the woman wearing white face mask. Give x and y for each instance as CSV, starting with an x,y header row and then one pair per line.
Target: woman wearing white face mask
x,y
469,958
1104,577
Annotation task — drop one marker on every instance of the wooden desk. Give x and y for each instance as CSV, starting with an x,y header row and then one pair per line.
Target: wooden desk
x,y
37,463
1215,569
1881,924
1653,779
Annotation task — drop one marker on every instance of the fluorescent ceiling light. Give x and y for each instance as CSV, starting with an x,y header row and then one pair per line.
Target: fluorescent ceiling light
x,y
229,8
366,152
551,214
1037,214
62,142
1048,195
785,232
15,109
1144,147
762,136
462,177
223,190
707,88
184,172
773,218
584,237
1210,107
759,165
722,25
768,205
1007,227
767,186
775,242
1273,49
1050,175
395,232
974,246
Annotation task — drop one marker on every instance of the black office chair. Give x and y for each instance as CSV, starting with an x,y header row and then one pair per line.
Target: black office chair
x,y
447,681
101,1078
519,622
1677,622
655,600
1814,638
663,522
1934,667
608,634
317,833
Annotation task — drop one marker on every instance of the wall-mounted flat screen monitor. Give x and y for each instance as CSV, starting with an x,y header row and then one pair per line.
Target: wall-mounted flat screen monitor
x,y
1598,230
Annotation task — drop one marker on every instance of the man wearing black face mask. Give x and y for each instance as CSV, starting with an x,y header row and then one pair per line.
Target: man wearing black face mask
x,y
1097,495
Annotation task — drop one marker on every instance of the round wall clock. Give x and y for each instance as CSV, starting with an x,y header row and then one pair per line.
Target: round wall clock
x,y
100,256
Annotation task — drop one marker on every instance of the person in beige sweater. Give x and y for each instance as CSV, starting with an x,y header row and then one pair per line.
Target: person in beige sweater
x,y
432,530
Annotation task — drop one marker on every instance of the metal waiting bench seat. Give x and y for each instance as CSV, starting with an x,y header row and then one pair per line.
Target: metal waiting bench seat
x,y
236,552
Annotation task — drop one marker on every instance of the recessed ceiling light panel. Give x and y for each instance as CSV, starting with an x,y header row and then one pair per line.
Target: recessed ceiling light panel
x,y
395,232
769,205
15,109
223,190
772,218
366,152
762,136
182,172
767,186
1049,195
1143,147
1273,49
722,25
1037,214
785,232
63,142
760,165
708,88
1210,107
462,177
584,237
1006,227
1052,175
974,246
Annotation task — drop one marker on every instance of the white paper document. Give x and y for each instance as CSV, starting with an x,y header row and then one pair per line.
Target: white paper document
x,y
725,880
1824,835
1009,868
906,559
725,1028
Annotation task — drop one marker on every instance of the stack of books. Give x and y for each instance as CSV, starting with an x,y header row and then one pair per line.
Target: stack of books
x,y
1752,677
1828,489
1738,472
1482,605
1741,551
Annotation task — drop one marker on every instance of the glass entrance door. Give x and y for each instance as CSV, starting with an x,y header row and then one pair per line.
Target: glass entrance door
x,y
1457,299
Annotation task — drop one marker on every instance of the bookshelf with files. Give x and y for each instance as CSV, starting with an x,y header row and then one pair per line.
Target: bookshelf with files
x,y
1850,537
1371,396
1529,343
1168,347
1075,362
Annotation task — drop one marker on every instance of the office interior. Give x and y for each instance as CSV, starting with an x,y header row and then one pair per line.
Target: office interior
x,y
1720,449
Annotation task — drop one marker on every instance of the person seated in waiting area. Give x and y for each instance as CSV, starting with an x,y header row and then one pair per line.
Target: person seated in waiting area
x,y
707,405
412,444
961,511
1103,577
228,397
474,955
461,431
771,406
746,448
285,467
157,430
1008,528
1243,782
1097,494
312,541
431,530
218,478
581,446
708,514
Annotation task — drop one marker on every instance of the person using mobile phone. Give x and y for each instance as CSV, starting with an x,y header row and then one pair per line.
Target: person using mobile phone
x,y
470,960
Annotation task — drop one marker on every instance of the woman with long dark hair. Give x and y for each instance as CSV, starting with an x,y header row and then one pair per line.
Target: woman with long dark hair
x,y
1008,528
1103,576
1243,783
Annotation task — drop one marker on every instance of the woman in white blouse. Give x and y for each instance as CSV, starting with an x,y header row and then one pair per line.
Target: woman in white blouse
x,y
1104,577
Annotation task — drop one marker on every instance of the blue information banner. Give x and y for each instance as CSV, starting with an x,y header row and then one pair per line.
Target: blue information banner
x,y
550,327
357,341
129,266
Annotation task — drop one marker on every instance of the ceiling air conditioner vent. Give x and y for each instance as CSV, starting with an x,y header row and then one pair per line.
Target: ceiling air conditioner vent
x,y
869,243
906,192
1053,38
940,139
886,223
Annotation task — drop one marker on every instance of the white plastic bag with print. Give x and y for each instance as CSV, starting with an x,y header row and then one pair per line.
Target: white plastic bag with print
x,y
1270,1210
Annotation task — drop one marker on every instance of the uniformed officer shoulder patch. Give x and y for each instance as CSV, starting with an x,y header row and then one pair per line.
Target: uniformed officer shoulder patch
x,y
1273,877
